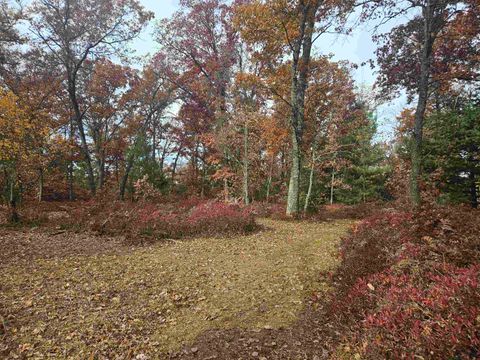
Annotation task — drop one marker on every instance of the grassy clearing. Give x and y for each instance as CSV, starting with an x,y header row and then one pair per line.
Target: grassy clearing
x,y
153,300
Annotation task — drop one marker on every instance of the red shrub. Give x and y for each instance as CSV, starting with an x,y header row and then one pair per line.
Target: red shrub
x,y
193,219
409,286
145,220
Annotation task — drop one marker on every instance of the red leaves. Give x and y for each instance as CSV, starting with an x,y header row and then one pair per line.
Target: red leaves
x,y
411,297
191,217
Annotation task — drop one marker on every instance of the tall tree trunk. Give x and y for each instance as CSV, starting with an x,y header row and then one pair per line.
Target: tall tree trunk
x,y
71,194
294,184
299,82
332,187
423,86
154,140
101,172
174,167
246,197
164,155
100,150
310,184
78,117
269,181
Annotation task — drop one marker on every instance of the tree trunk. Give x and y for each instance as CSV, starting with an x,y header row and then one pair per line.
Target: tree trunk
x,y
174,167
310,184
71,195
332,187
269,181
13,216
246,197
101,174
299,83
124,181
83,138
40,185
423,86
294,185
473,190
101,169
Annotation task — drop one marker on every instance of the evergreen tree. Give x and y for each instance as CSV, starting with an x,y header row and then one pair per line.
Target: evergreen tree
x,y
452,154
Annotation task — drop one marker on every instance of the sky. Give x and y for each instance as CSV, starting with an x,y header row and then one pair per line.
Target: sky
x,y
356,48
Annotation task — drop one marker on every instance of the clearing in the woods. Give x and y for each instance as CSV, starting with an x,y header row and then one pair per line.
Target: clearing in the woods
x,y
75,301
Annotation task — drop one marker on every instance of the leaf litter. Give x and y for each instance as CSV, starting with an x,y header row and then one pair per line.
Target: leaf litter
x,y
108,301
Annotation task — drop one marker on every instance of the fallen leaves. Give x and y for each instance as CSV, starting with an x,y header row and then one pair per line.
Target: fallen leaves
x,y
147,301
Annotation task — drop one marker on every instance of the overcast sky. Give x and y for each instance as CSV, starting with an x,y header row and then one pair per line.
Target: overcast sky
x,y
356,48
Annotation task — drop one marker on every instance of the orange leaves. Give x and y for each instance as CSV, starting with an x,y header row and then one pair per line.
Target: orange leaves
x,y
275,134
14,127
23,134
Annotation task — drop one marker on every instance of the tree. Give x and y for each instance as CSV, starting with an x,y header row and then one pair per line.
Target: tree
x,y
23,131
107,95
9,35
452,153
281,28
200,43
365,175
152,94
407,57
74,31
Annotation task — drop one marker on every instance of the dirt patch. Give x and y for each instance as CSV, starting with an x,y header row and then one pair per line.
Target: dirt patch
x,y
155,300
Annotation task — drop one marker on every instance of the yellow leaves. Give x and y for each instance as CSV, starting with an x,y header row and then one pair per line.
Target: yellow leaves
x,y
12,126
21,131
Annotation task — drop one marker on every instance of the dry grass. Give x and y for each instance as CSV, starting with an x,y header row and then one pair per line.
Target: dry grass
x,y
156,299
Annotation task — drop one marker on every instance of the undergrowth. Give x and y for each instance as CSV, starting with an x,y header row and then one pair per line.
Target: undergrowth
x,y
408,286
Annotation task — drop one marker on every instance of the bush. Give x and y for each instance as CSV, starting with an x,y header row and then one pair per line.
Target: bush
x,y
148,221
409,286
201,219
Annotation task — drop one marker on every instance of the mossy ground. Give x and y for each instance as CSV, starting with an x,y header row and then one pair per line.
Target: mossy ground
x,y
155,299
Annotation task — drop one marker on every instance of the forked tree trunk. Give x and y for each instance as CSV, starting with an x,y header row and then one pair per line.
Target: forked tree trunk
x,y
300,71
78,117
101,169
124,181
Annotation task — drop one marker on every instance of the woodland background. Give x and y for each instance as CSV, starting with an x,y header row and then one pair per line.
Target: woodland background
x,y
186,204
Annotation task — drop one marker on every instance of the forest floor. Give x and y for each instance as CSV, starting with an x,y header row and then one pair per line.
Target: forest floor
x,y
78,296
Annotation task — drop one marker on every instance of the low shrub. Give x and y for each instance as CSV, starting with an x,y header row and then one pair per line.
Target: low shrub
x,y
144,220
408,286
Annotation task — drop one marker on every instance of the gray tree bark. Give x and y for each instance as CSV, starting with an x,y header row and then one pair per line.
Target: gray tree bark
x,y
433,21
302,49
310,184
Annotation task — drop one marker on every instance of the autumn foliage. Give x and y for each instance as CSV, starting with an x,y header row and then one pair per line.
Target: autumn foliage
x,y
409,285
145,221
